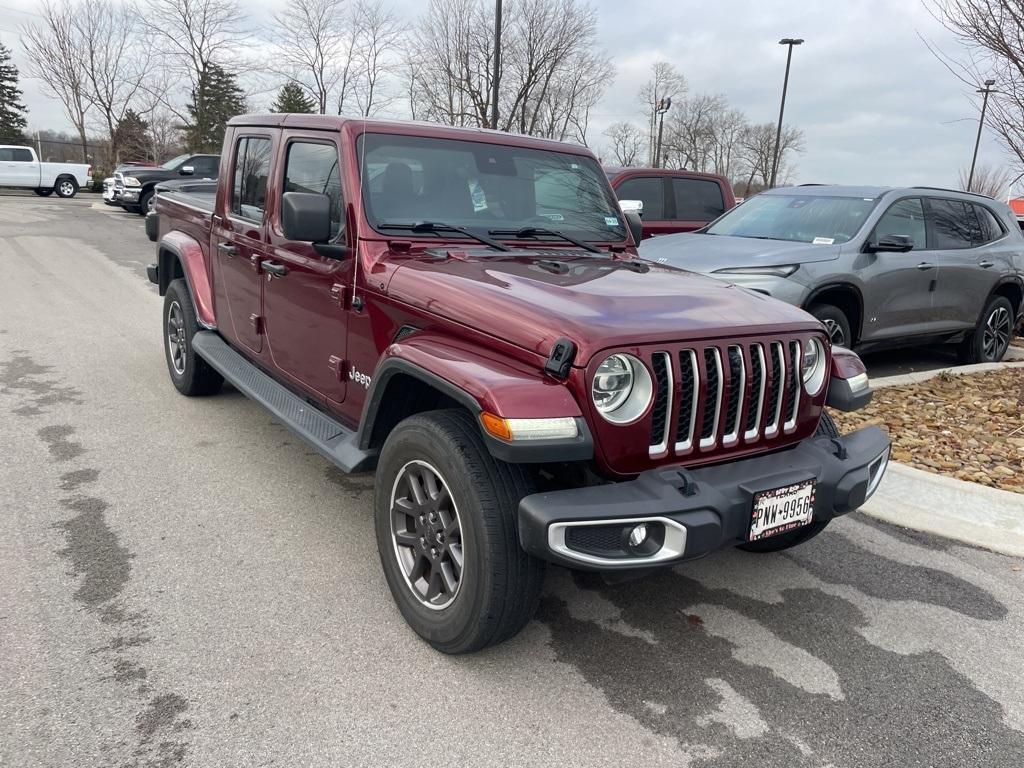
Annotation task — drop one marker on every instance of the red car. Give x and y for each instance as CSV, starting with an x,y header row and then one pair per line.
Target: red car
x,y
464,313
674,201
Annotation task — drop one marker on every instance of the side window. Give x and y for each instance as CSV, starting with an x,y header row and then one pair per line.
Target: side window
x,y
21,156
314,168
252,168
990,227
650,190
697,199
954,225
905,217
6,154
205,167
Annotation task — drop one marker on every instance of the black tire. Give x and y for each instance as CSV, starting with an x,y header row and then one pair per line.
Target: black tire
x,y
786,540
499,585
190,374
42,192
144,202
990,340
836,323
66,186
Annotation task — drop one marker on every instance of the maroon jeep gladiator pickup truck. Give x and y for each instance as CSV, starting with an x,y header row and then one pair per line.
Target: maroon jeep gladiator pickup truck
x,y
464,312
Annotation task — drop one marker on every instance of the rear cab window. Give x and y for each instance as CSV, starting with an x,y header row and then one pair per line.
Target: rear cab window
x,y
697,199
251,173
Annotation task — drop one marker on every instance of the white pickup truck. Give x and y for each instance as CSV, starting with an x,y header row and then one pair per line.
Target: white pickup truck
x,y
20,167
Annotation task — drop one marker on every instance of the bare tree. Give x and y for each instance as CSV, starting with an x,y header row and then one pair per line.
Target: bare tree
x,y
665,81
992,32
310,39
758,146
627,142
988,180
54,50
379,33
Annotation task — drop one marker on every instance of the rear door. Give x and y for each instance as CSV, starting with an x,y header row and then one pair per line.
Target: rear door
x,y
238,235
653,192
697,201
970,263
306,307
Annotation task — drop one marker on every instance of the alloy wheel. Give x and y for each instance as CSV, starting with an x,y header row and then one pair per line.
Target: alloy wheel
x,y
67,189
176,337
835,332
996,335
427,535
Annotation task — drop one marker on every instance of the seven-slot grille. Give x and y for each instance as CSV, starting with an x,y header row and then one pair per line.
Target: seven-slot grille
x,y
718,396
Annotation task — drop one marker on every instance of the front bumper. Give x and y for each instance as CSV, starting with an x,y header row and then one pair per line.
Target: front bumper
x,y
130,195
700,510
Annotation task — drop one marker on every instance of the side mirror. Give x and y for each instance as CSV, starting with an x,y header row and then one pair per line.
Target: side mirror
x,y
636,226
890,244
632,206
306,216
187,170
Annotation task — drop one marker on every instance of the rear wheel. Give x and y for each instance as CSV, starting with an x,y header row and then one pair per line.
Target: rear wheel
x,y
190,374
43,192
991,338
445,521
783,541
837,325
66,187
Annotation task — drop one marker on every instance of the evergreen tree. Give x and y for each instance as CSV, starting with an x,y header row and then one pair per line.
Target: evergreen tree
x,y
131,137
12,110
291,98
215,100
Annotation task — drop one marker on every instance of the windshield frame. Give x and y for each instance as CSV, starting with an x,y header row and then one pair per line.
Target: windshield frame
x,y
594,166
794,193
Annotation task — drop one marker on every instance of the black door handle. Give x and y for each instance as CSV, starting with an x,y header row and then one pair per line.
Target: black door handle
x,y
227,249
925,265
986,264
273,268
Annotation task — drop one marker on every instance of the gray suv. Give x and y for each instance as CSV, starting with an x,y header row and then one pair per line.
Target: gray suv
x,y
879,267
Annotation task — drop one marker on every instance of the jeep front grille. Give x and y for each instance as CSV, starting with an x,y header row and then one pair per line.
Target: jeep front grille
x,y
720,396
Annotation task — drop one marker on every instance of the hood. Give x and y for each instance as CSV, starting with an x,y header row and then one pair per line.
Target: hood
x,y
707,253
533,298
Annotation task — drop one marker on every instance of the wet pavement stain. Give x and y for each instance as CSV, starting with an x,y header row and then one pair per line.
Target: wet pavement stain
x,y
162,717
70,481
696,684
56,439
33,385
355,485
94,552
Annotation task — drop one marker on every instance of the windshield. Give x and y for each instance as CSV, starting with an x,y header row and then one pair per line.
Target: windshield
x,y
799,218
173,162
484,187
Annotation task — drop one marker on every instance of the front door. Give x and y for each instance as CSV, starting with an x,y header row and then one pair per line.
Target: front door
x,y
238,239
899,288
17,168
306,301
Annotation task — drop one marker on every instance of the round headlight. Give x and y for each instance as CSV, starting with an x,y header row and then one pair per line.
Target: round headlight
x,y
622,389
812,366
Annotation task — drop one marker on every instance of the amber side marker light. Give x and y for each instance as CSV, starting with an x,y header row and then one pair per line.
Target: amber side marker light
x,y
555,428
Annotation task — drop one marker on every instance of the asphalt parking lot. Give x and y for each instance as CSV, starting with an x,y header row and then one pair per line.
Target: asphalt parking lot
x,y
186,584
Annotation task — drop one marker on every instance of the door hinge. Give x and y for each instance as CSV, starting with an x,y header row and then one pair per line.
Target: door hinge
x,y
337,366
256,321
338,294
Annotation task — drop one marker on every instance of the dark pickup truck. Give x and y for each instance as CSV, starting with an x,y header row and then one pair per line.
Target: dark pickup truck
x,y
135,188
464,312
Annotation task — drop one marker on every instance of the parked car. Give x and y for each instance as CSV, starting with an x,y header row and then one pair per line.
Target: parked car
x,y
20,167
673,201
135,188
879,267
464,311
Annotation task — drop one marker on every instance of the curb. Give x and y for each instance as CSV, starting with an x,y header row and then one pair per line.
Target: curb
x,y
955,509
959,370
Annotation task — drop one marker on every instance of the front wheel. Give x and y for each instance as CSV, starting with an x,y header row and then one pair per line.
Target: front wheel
x,y
990,340
66,187
836,323
445,519
146,203
827,426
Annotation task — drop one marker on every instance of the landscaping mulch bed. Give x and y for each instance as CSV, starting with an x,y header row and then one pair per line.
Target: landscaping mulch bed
x,y
967,426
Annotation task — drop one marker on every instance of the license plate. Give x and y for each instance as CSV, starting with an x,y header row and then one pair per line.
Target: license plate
x,y
781,509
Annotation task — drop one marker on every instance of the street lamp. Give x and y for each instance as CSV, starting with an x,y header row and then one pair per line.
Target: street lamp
x,y
790,41
497,64
660,109
981,122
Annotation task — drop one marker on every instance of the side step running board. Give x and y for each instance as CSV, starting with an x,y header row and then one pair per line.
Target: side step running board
x,y
337,443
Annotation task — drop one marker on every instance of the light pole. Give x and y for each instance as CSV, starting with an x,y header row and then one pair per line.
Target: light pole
x,y
497,64
663,106
789,41
981,122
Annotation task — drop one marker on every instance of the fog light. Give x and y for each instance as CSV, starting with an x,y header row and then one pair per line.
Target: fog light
x,y
638,535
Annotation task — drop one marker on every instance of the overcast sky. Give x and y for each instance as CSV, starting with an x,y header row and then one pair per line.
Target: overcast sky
x,y
874,104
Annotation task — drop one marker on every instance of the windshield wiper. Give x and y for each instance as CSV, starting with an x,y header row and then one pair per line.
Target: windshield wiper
x,y
541,231
440,226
